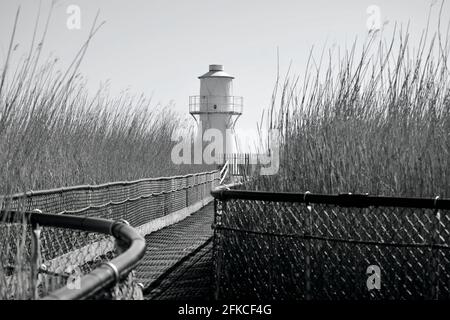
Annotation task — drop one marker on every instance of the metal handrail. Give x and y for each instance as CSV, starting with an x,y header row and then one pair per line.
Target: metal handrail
x,y
128,199
99,186
343,200
106,274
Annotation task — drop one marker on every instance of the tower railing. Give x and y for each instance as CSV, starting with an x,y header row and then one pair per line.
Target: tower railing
x,y
216,104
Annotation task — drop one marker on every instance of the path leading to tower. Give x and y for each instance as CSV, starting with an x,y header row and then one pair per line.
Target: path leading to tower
x,y
177,263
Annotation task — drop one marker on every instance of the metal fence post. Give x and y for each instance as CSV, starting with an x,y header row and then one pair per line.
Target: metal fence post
x,y
35,256
272,250
219,207
187,186
308,249
435,263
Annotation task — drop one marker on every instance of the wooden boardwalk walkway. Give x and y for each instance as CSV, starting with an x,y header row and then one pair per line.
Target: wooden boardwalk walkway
x,y
177,263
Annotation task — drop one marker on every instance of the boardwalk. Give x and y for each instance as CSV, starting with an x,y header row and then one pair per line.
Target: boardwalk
x,y
177,262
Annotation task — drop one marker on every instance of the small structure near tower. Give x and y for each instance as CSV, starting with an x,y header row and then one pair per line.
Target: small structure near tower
x,y
216,107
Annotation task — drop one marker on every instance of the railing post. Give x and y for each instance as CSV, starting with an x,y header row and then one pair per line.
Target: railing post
x,y
308,249
219,207
187,186
35,256
202,188
271,230
435,262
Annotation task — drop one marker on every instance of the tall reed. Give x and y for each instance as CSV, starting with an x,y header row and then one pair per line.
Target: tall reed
x,y
54,132
376,122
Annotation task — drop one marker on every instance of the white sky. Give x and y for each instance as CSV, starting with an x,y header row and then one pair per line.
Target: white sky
x,y
160,47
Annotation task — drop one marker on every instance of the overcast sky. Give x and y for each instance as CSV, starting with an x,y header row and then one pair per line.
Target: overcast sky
x,y
160,47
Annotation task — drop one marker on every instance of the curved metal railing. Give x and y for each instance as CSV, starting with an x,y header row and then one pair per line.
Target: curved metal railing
x,y
130,248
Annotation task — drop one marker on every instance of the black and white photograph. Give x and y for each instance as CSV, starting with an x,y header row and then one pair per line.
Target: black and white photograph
x,y
225,156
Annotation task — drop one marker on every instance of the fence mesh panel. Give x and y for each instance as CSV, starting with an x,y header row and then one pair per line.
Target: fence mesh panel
x,y
268,249
66,254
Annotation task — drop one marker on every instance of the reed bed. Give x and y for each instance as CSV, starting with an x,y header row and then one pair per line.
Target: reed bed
x,y
54,132
373,119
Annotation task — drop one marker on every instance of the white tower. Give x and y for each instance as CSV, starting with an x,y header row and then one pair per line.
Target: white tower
x,y
216,107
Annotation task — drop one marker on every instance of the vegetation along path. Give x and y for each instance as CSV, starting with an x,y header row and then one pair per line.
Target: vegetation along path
x,y
177,263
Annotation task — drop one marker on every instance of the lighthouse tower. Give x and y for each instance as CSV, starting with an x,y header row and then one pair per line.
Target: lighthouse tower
x,y
216,107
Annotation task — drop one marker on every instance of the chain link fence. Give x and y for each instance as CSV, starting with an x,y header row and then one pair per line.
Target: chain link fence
x,y
286,246
70,251
95,261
